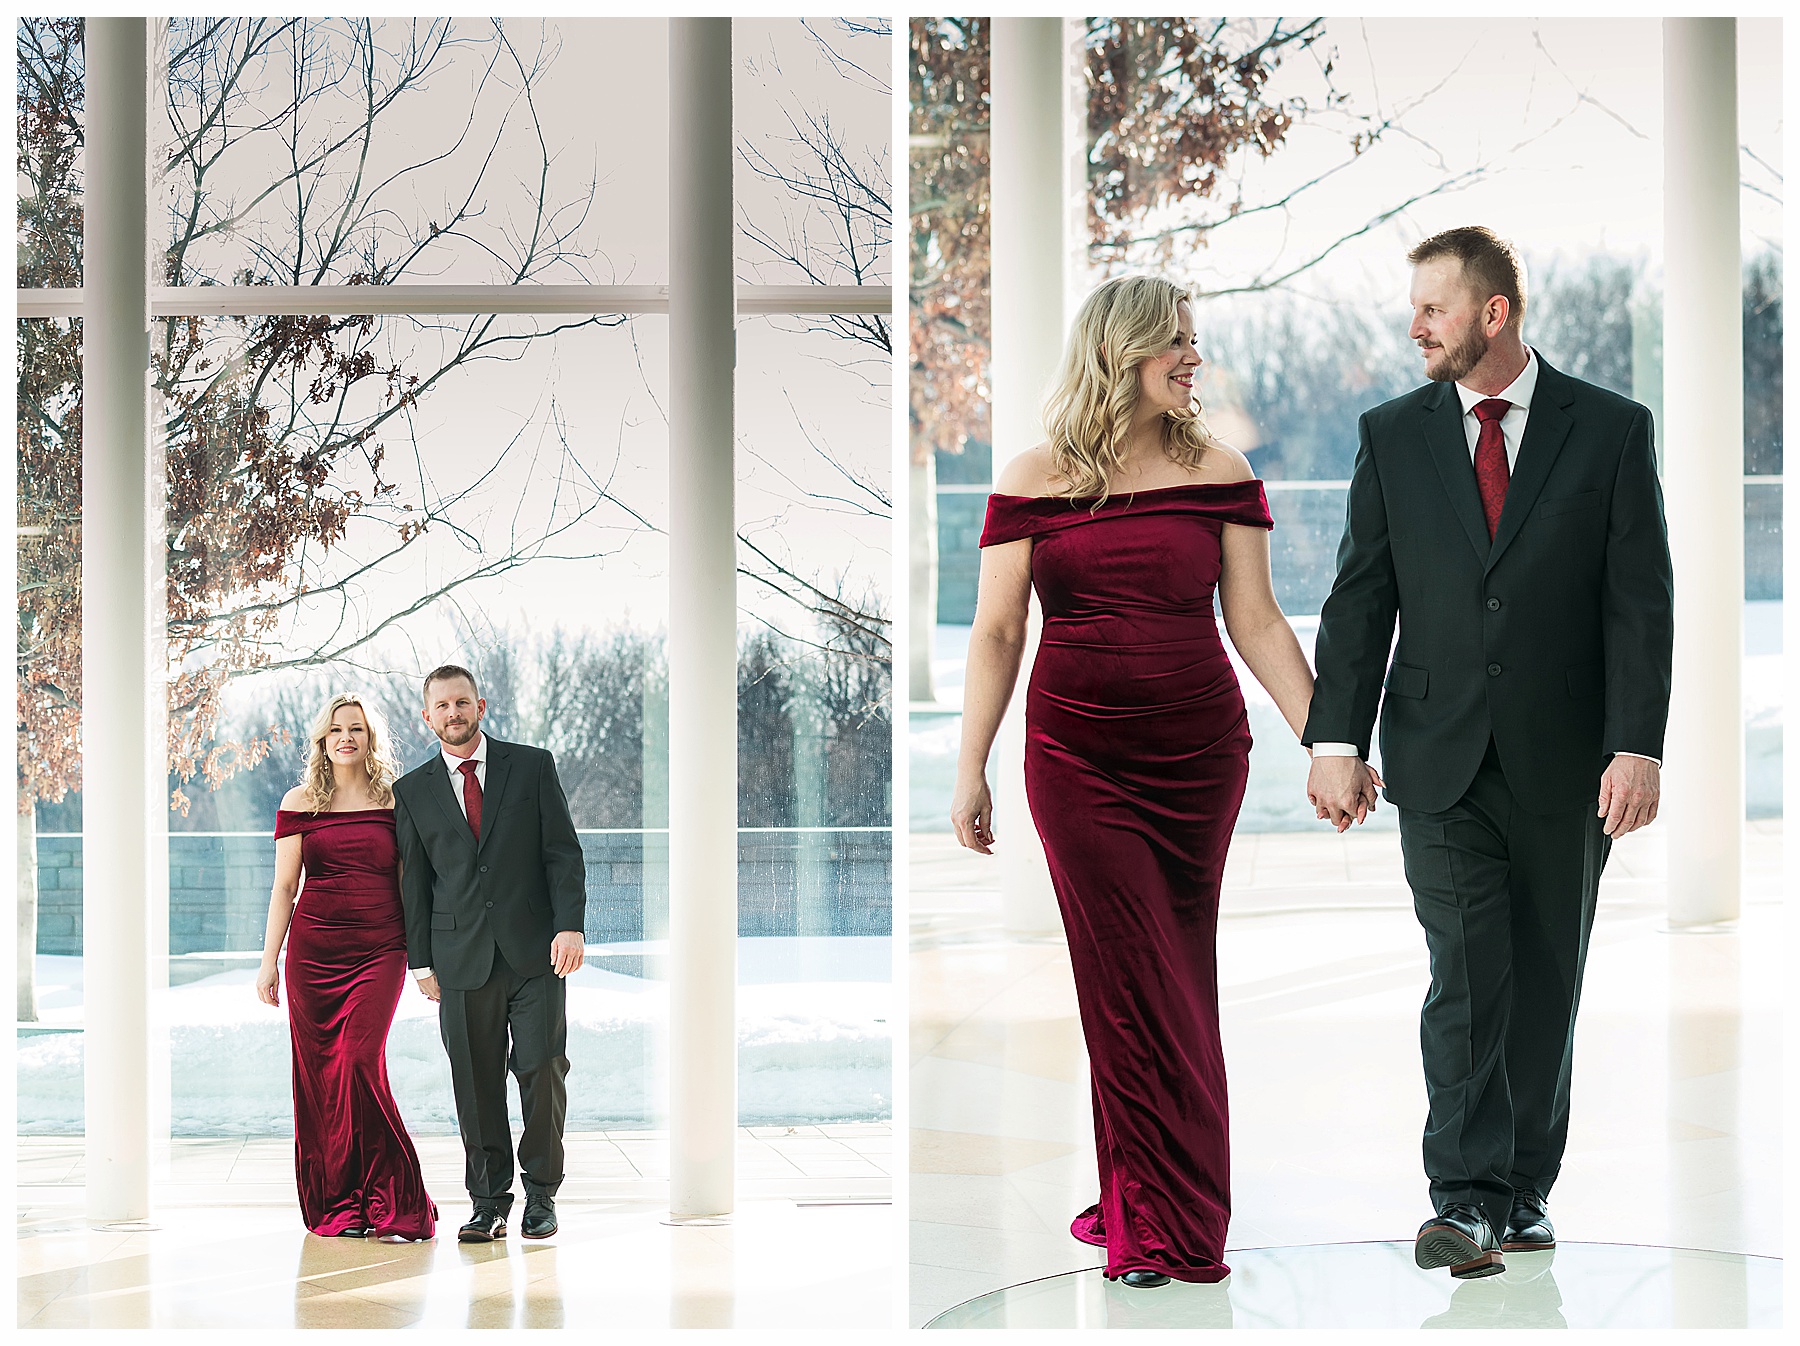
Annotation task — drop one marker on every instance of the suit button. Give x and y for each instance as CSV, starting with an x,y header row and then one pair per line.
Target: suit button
x,y
1493,672
1493,605
490,904
484,869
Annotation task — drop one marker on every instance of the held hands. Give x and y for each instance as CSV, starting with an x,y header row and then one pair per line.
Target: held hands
x,y
268,984
1630,790
972,814
566,952
1342,789
428,987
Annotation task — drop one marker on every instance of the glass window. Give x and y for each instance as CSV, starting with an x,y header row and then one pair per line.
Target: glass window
x,y
815,726
51,75
416,150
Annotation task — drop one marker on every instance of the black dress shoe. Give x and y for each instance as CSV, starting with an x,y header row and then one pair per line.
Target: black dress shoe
x,y
540,1218
1144,1280
1528,1228
355,1231
1459,1237
487,1224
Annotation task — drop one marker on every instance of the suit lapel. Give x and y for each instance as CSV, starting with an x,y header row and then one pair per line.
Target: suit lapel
x,y
438,785
494,792
1450,451
1547,428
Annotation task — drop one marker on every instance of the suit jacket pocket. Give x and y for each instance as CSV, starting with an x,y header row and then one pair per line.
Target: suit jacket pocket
x,y
443,920
1567,504
1406,680
1586,681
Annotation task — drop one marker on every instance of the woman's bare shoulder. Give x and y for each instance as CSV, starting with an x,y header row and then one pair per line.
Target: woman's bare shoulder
x,y
1226,464
1031,473
295,800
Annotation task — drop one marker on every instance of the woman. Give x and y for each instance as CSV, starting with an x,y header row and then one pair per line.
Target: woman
x,y
1137,744
355,1166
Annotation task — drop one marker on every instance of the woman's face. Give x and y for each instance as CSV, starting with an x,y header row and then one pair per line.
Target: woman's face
x,y
347,741
1166,380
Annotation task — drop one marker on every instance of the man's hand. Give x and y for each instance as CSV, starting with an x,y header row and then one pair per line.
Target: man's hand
x,y
1341,789
566,952
428,987
1630,790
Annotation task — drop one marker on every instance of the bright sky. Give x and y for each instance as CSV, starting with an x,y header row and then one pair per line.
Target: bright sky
x,y
1564,114
611,388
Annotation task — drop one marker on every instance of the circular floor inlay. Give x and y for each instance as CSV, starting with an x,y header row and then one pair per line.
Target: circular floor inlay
x,y
1376,1285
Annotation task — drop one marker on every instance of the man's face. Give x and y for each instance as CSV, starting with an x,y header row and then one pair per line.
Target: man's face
x,y
454,711
1447,319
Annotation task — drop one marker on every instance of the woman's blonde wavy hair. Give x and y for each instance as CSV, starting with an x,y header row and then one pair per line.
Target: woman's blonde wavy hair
x,y
1089,408
317,780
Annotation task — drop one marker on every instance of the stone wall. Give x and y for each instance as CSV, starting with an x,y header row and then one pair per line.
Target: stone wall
x,y
789,883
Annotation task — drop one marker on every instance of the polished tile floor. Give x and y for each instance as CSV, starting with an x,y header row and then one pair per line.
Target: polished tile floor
x,y
811,1244
1676,1128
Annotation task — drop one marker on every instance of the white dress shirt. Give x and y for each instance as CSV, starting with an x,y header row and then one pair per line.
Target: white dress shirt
x,y
1512,429
453,764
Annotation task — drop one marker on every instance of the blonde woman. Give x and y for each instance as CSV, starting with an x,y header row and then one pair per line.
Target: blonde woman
x,y
336,902
1127,521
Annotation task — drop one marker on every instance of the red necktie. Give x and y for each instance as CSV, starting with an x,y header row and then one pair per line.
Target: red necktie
x,y
1491,473
472,796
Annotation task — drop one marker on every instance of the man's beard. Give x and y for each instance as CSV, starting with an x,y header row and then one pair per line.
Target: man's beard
x,y
1459,359
456,738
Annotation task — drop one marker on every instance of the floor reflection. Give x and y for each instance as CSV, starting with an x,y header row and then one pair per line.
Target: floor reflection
x,y
1376,1285
777,1264
1675,1136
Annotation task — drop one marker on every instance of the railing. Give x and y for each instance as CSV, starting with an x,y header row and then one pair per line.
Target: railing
x,y
791,881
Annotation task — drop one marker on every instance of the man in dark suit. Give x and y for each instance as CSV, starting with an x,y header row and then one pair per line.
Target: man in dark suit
x,y
1511,518
494,889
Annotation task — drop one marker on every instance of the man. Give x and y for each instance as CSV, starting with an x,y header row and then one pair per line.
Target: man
x,y
494,889
1510,516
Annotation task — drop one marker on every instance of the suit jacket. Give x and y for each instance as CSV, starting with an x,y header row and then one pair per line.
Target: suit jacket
x,y
1555,639
524,881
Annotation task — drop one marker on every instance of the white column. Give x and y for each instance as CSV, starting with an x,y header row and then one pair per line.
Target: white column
x,y
702,625
122,655
1703,435
1028,275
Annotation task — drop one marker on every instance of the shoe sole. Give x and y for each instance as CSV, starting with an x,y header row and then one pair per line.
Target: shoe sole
x,y
1442,1246
1516,1247
548,1233
464,1236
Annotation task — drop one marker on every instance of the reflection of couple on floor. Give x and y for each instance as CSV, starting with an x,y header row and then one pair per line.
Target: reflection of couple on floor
x,y
1510,518
468,870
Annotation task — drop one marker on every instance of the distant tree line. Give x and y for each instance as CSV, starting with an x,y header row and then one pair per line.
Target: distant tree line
x,y
815,734
1302,370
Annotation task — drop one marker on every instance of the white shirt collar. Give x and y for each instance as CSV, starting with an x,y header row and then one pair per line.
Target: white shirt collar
x,y
454,763
1518,392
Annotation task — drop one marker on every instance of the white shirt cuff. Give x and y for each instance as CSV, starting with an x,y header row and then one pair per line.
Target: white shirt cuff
x,y
1646,756
421,972
1335,750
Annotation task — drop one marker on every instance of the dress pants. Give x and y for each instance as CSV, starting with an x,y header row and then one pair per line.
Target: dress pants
x,y
476,1027
1506,898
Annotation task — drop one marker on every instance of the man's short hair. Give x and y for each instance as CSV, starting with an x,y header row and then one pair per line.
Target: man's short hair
x,y
1489,263
446,673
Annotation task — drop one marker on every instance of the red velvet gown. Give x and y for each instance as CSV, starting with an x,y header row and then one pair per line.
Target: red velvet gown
x,y
1137,750
354,1164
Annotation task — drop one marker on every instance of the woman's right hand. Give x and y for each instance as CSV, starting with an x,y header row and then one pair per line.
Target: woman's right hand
x,y
972,814
268,985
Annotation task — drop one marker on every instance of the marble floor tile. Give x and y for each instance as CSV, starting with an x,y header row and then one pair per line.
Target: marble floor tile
x,y
1676,1098
812,1245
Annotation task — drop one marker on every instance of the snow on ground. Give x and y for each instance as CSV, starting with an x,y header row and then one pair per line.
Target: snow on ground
x,y
808,1050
